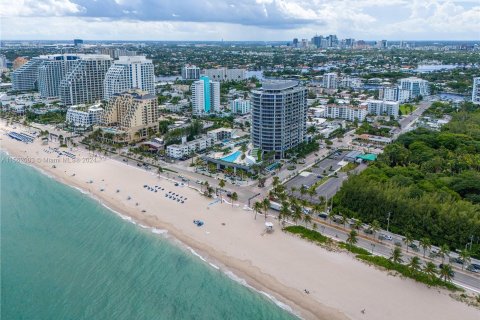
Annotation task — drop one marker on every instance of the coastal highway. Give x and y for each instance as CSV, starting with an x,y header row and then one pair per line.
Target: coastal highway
x,y
462,278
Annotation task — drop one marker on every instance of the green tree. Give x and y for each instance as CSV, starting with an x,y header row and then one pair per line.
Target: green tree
x,y
408,240
414,263
446,272
430,269
257,207
426,244
465,256
352,238
234,197
396,256
266,206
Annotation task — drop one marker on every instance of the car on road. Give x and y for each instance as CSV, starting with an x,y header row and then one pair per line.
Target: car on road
x,y
383,236
322,215
456,260
472,268
413,246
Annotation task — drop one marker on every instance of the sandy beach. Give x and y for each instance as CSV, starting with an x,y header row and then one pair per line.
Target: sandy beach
x,y
278,264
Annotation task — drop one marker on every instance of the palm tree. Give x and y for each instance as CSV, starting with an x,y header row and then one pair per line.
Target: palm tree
x,y
221,184
303,190
408,240
331,215
465,256
284,211
307,219
321,199
266,206
314,226
396,255
293,189
358,224
257,207
414,263
430,269
444,251
311,192
425,244
297,214
352,238
446,272
276,181
375,227
234,197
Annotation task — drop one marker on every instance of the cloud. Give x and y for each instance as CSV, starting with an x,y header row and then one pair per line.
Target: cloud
x,y
245,19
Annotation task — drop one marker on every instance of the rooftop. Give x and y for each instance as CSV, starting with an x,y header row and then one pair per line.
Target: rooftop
x,y
279,84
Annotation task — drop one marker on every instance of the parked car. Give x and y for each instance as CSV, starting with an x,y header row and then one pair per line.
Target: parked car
x,y
456,260
322,215
383,236
414,247
472,268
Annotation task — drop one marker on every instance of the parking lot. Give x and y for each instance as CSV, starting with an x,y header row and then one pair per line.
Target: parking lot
x,y
320,171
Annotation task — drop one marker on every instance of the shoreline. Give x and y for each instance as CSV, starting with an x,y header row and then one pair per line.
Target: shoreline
x,y
277,265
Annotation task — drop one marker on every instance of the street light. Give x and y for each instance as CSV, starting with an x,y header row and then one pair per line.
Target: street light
x,y
388,221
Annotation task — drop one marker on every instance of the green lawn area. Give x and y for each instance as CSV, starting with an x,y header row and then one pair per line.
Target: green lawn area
x,y
407,108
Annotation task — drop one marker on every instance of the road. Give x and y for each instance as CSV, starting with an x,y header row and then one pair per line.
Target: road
x,y
462,278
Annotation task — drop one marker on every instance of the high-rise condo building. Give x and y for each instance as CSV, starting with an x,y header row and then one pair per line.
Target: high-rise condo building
x,y
394,94
224,74
129,72
330,80
279,115
24,78
51,72
476,90
240,106
383,108
205,96
134,113
84,83
190,72
347,112
416,86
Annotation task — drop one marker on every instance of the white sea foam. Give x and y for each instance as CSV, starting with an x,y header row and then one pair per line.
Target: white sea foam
x,y
159,231
278,303
196,254
214,266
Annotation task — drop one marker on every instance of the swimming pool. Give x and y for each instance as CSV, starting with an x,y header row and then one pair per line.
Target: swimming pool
x,y
232,157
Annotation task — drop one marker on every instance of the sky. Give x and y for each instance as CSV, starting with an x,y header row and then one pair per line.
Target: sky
x,y
239,20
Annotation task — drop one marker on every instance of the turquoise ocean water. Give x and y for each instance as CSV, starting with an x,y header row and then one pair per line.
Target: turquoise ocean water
x,y
65,256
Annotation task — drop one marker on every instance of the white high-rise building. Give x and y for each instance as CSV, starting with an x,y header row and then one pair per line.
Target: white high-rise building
x,y
279,116
190,72
51,72
224,74
129,72
476,90
240,106
85,116
347,112
25,78
394,94
84,83
416,86
383,108
330,80
205,96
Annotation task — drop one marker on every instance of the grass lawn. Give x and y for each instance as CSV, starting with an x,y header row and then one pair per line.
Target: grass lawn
x,y
407,108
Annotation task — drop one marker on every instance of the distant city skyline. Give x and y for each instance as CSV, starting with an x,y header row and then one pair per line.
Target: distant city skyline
x,y
249,20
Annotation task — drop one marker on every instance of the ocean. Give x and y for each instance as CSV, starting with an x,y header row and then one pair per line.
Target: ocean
x,y
65,256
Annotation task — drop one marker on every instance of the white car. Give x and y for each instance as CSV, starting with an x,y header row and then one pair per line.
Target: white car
x,y
383,236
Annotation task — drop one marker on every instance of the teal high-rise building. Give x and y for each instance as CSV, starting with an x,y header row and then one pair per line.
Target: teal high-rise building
x,y
205,96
